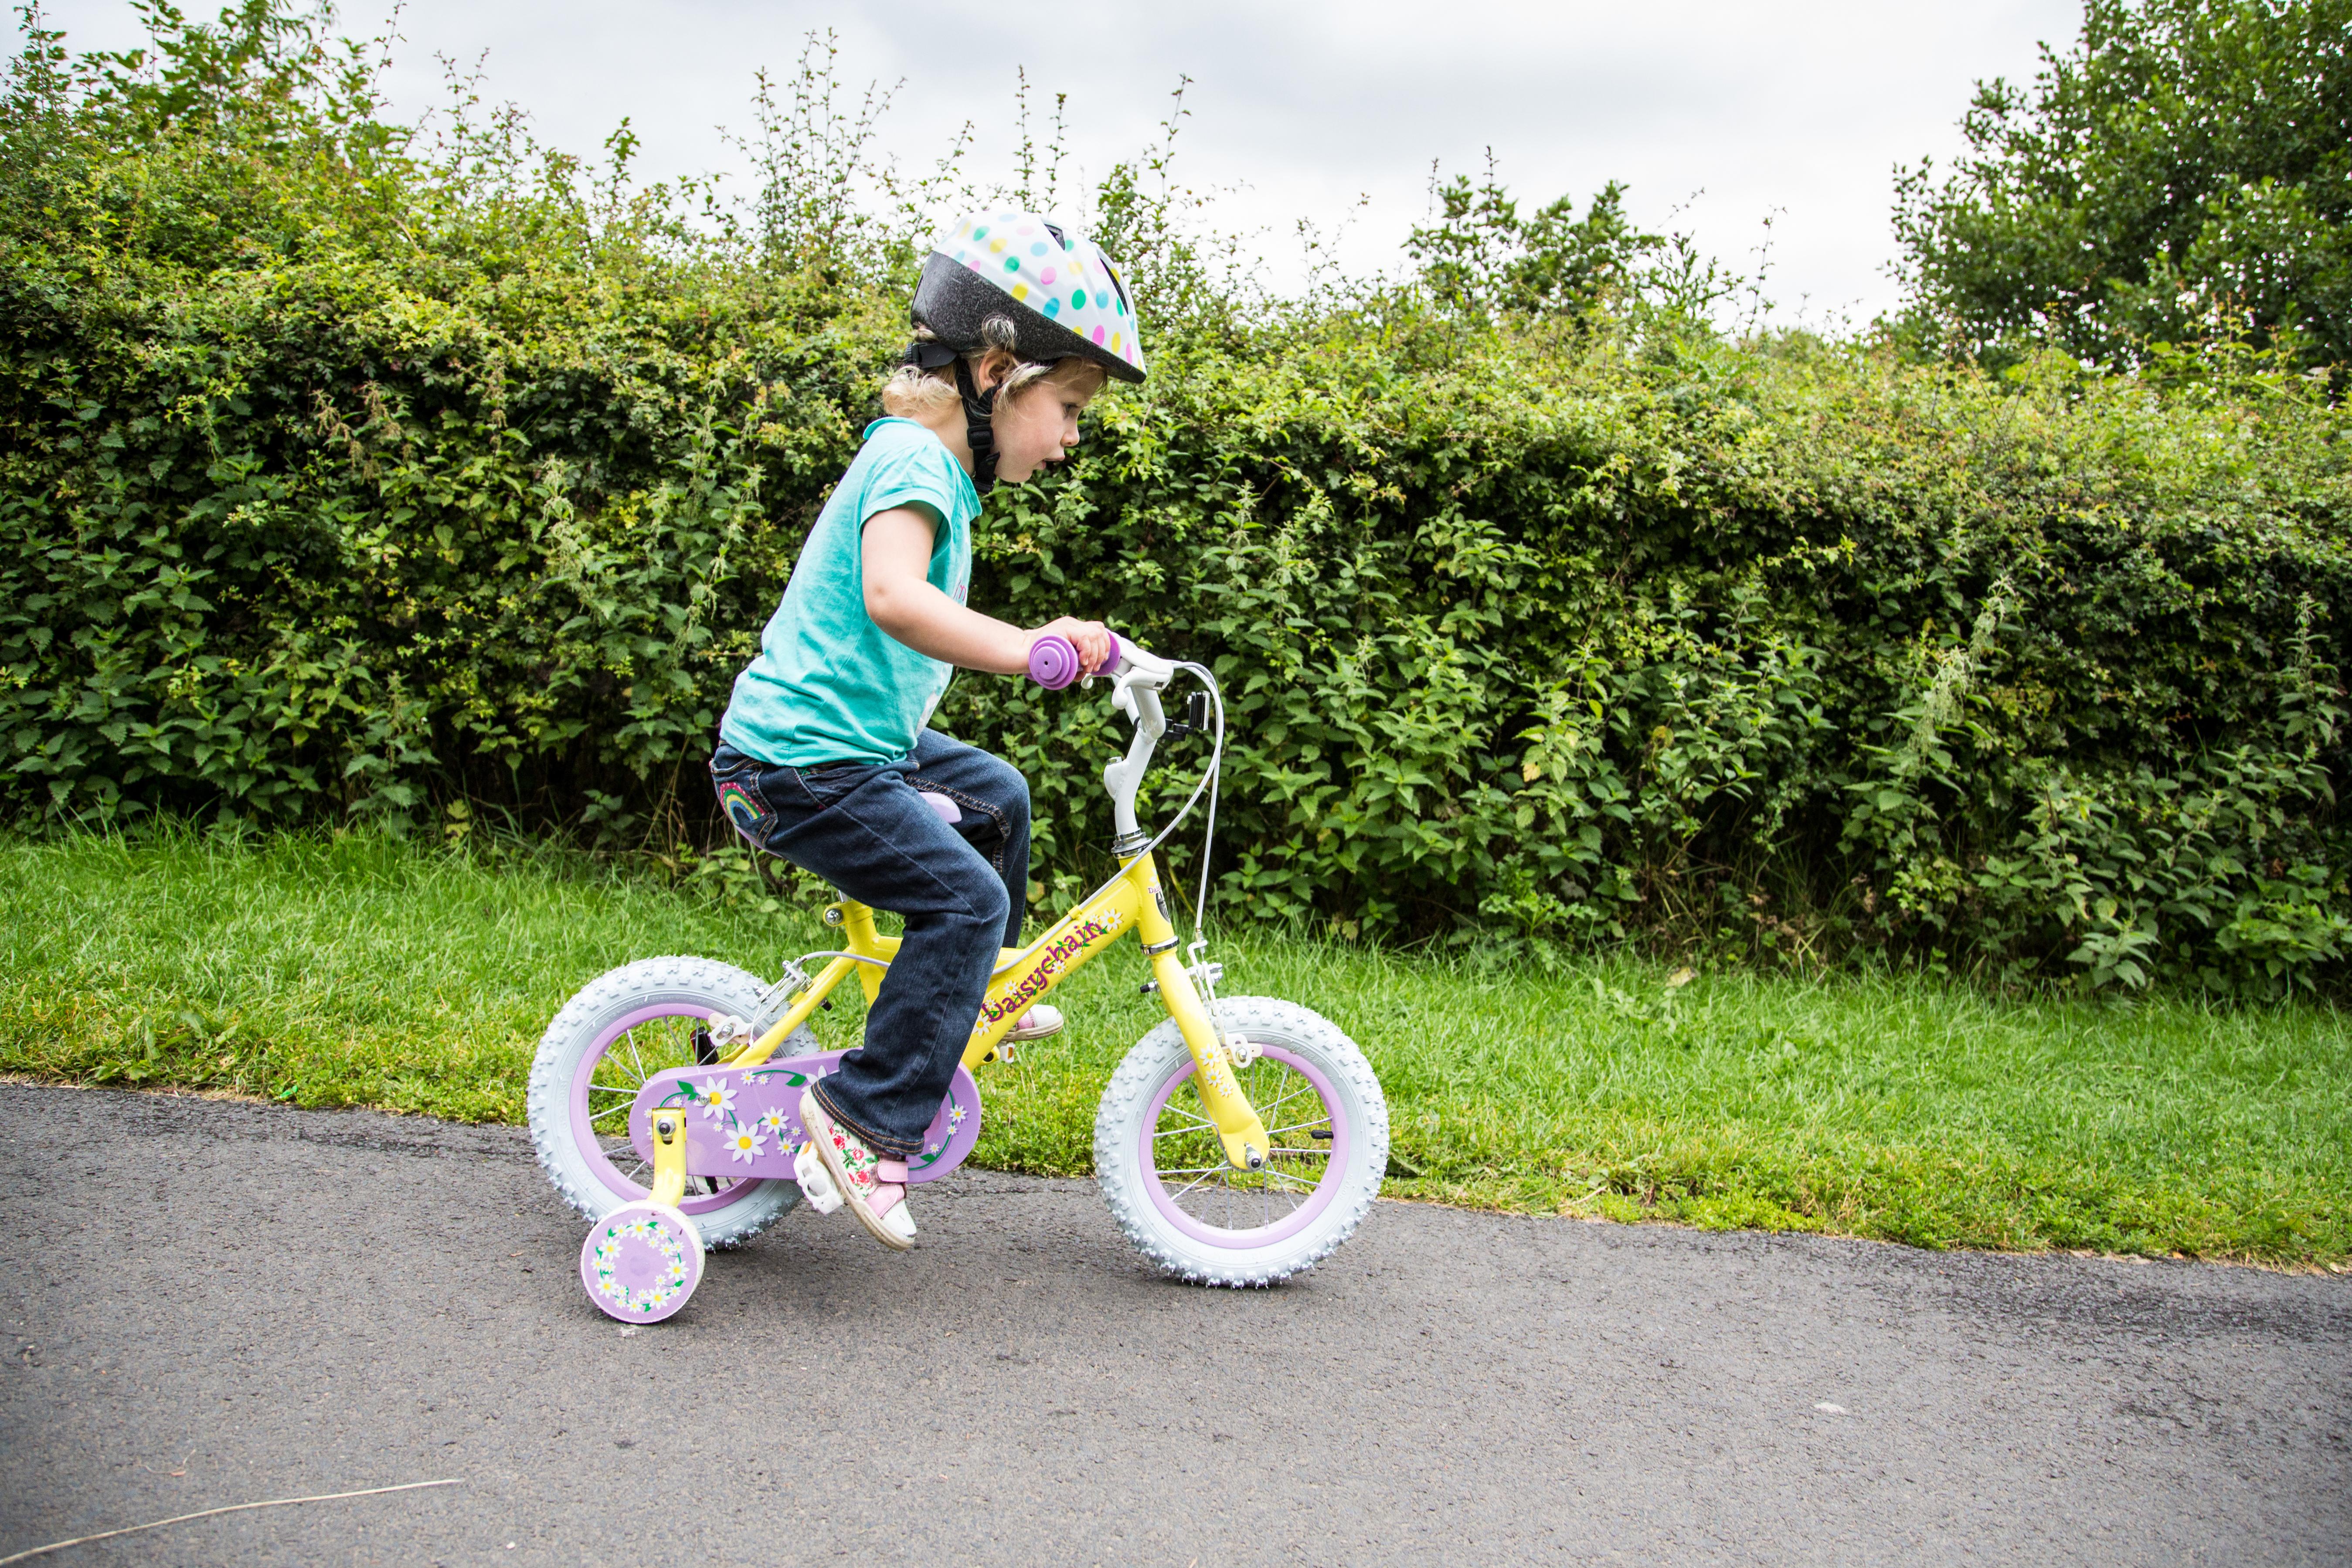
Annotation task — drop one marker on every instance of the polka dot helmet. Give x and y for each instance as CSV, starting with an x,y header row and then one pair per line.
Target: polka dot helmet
x,y
1063,296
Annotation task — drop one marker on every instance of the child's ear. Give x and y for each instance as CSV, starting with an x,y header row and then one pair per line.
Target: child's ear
x,y
993,367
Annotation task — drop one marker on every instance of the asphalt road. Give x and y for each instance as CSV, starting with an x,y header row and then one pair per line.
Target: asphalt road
x,y
207,1303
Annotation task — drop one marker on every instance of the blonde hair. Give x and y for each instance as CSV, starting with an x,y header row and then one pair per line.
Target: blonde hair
x,y
914,393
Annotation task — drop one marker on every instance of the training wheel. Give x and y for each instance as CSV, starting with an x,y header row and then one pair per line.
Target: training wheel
x,y
641,1262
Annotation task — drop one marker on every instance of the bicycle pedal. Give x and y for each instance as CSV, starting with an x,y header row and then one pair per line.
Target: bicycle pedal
x,y
816,1182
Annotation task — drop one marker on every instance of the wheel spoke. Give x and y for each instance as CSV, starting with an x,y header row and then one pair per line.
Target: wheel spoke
x,y
1303,1086
1196,1182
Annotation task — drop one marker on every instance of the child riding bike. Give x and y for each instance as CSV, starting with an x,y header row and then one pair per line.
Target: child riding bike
x,y
682,1104
826,756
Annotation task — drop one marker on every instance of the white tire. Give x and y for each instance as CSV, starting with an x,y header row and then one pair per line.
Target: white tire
x,y
1161,1169
581,1077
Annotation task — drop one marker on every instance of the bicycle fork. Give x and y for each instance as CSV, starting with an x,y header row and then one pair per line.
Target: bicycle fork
x,y
1239,1128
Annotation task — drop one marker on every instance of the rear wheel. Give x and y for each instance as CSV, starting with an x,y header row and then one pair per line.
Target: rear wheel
x,y
622,1027
1162,1167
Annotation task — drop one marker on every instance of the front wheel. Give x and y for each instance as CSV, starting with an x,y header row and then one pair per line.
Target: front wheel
x,y
1163,1171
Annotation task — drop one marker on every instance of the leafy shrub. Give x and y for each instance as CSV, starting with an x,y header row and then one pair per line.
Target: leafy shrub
x,y
352,475
2182,177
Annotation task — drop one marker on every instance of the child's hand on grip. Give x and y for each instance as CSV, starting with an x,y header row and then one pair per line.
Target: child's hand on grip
x,y
1091,638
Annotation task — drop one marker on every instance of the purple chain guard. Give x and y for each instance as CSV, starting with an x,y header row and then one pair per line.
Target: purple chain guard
x,y
737,1114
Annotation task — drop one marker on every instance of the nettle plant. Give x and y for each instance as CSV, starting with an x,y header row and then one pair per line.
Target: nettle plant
x,y
359,470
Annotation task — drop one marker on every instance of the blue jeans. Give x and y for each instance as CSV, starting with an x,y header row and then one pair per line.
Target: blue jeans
x,y
864,828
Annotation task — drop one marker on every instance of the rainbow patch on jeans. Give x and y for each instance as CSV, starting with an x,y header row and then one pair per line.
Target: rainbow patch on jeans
x,y
743,808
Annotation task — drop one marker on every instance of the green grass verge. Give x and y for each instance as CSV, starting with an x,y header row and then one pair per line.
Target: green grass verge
x,y
360,971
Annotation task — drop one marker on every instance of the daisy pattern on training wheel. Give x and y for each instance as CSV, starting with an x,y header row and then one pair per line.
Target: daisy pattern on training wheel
x,y
641,1262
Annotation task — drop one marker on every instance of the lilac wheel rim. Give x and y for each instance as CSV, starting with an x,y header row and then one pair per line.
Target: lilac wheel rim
x,y
1279,1227
599,1112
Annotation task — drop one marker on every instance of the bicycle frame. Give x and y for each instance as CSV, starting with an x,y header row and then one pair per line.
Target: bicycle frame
x,y
1132,901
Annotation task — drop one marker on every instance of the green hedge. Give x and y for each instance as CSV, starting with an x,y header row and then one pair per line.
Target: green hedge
x,y
339,480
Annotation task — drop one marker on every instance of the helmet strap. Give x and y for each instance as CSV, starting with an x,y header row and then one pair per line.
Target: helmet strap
x,y
978,429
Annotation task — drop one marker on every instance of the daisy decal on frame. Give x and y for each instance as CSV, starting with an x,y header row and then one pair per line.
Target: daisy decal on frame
x,y
746,1143
718,1098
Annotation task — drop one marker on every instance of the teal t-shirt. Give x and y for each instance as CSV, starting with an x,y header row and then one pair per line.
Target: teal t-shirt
x,y
829,685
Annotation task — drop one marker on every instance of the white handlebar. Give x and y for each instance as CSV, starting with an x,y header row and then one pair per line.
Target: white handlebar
x,y
1130,661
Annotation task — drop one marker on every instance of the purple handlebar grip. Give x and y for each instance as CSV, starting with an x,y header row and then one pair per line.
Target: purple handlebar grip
x,y
1052,662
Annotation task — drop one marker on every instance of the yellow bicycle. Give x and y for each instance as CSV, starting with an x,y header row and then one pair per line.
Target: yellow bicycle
x,y
1237,1144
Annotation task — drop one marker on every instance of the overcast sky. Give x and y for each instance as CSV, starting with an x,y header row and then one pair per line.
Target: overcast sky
x,y
1730,110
